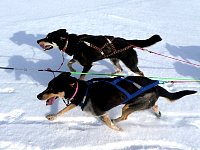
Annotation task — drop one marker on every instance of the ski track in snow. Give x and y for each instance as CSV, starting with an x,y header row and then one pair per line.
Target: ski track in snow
x,y
87,123
122,145
168,119
7,90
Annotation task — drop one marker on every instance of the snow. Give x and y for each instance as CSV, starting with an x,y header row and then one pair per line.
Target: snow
x,y
22,117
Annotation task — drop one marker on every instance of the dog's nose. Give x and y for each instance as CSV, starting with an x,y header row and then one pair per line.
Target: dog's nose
x,y
38,41
39,96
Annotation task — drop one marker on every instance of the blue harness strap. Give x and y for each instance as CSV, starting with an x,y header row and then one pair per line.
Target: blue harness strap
x,y
140,88
114,83
128,95
140,91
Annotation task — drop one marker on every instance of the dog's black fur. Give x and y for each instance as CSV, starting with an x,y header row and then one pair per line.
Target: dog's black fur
x,y
102,96
87,49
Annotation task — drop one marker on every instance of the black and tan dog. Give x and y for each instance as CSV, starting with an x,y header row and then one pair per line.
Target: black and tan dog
x,y
87,49
99,95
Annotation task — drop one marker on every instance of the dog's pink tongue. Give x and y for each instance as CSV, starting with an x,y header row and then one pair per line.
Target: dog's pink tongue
x,y
50,101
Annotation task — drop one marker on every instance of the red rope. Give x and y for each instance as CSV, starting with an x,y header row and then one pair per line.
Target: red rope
x,y
187,62
63,59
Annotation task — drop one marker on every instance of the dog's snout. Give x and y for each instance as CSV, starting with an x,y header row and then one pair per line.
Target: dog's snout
x,y
39,96
38,41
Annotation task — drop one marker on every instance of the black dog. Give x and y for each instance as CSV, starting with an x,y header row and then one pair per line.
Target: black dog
x,y
87,49
99,95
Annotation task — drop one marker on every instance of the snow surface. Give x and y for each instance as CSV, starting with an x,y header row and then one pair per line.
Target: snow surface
x,y
22,117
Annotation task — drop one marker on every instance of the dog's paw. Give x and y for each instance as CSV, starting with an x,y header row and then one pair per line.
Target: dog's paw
x,y
72,69
82,78
116,128
158,114
118,71
51,117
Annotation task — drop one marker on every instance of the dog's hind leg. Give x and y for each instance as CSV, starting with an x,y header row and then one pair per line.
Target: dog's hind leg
x,y
86,68
156,111
106,119
69,64
115,62
130,108
133,68
131,61
137,71
126,110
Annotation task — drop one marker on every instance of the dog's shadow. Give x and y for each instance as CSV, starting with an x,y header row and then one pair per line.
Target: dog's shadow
x,y
187,53
22,37
32,65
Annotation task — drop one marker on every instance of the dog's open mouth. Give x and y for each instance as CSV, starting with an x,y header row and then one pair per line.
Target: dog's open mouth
x,y
50,101
47,47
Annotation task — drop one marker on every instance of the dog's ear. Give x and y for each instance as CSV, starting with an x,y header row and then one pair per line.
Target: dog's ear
x,y
63,34
70,80
62,30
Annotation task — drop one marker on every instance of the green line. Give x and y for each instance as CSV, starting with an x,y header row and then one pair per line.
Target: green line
x,y
175,79
154,78
114,75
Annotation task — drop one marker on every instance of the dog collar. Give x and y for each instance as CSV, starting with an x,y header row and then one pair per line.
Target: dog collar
x,y
68,100
75,92
65,47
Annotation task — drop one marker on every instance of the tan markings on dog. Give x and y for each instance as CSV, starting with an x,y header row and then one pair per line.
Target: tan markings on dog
x,y
43,44
82,77
47,45
51,95
126,110
60,113
106,119
72,85
69,64
117,66
155,109
140,73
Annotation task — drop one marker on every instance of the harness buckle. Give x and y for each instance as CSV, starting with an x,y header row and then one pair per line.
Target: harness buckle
x,y
66,103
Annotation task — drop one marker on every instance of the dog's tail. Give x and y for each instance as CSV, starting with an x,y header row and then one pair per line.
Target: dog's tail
x,y
145,43
173,96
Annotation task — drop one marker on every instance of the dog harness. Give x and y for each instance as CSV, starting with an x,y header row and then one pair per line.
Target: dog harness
x,y
109,45
133,95
128,95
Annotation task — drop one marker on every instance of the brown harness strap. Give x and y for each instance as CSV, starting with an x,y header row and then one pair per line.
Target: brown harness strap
x,y
119,51
95,47
109,45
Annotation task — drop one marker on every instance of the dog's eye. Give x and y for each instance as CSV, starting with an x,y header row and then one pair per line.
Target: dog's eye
x,y
50,90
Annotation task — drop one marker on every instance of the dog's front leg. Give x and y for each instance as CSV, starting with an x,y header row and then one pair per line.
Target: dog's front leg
x,y
69,64
60,113
106,119
86,68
